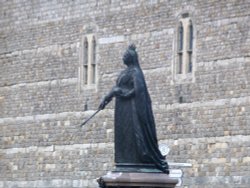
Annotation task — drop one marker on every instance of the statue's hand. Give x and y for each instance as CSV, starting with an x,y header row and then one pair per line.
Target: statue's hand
x,y
115,91
104,102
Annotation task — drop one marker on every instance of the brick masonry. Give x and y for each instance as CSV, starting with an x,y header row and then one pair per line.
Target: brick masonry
x,y
41,105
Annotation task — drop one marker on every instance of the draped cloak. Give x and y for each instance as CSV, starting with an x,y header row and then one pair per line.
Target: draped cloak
x,y
135,133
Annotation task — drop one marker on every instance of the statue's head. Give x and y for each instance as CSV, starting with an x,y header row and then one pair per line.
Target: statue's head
x,y
130,56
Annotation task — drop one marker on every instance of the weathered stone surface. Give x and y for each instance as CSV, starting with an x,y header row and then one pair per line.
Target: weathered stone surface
x,y
41,105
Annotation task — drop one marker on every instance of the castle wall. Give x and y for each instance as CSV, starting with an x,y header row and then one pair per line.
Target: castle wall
x,y
43,101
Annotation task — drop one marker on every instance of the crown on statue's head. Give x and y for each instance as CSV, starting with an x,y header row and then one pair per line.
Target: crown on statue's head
x,y
132,47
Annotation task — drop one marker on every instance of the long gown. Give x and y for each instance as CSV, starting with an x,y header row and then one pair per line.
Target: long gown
x,y
135,133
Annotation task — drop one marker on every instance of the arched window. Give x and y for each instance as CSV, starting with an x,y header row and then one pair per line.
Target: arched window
x,y
184,44
88,61
85,60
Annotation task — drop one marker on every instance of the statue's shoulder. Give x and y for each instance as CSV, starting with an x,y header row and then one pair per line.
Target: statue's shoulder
x,y
134,70
130,72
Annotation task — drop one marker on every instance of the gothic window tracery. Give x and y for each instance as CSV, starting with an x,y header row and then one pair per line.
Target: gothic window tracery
x,y
185,43
88,61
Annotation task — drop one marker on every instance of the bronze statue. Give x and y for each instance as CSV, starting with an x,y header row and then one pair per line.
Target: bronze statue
x,y
136,145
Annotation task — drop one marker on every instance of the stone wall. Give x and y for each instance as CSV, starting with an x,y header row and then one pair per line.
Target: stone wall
x,y
42,104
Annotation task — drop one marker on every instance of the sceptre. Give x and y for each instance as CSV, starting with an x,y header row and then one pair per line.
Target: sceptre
x,y
90,117
101,107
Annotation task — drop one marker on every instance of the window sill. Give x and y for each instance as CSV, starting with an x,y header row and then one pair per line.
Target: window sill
x,y
184,78
89,86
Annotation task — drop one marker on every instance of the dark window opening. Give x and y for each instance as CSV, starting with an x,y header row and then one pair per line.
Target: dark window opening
x,y
190,64
85,61
190,35
180,63
180,37
181,99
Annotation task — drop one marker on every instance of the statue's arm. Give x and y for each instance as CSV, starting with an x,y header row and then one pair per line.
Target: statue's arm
x,y
126,93
109,97
117,91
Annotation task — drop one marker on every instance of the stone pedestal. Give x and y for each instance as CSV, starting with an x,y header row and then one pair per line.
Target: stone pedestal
x,y
134,179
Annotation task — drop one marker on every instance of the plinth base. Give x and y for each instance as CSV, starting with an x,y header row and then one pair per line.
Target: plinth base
x,y
133,179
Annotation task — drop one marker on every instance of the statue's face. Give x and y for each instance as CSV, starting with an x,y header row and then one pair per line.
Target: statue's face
x,y
126,58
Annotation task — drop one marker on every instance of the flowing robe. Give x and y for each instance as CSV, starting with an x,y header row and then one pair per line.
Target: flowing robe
x,y
135,133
